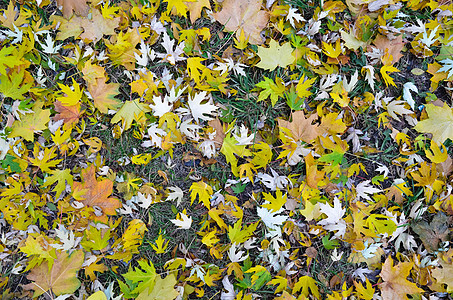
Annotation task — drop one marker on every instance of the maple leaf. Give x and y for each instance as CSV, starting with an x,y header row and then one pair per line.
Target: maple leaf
x,y
80,7
10,86
275,56
31,123
275,204
145,277
300,127
164,289
307,286
334,215
432,234
393,47
104,94
96,193
195,8
274,90
199,110
130,111
61,177
7,60
203,191
62,277
384,72
364,188
439,123
395,285
243,16
443,275
69,114
160,244
72,97
184,221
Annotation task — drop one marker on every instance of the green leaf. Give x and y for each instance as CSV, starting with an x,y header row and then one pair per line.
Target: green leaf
x,y
145,278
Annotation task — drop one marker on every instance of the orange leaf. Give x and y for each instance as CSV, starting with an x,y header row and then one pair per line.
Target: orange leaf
x,y
104,95
395,285
96,193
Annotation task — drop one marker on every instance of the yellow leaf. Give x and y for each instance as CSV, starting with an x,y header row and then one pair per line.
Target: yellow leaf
x,y
210,239
72,97
274,203
439,123
330,51
303,85
363,292
307,286
161,245
99,295
164,289
281,282
384,72
434,153
31,123
237,235
203,191
275,56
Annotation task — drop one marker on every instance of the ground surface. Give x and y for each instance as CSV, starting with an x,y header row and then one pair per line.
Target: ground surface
x,y
226,150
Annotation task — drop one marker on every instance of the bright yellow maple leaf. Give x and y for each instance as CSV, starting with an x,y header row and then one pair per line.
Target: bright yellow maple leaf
x,y
203,191
161,245
439,123
275,56
384,72
274,203
72,97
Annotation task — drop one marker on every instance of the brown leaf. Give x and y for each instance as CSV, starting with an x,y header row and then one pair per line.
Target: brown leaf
x,y
238,15
432,234
104,94
393,47
62,278
80,7
96,27
301,128
196,7
96,193
395,285
69,114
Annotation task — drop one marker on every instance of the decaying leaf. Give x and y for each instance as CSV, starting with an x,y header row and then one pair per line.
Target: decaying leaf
x,y
246,15
62,277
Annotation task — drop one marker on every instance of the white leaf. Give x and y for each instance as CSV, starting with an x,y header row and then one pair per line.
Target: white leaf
x,y
361,272
185,223
369,75
172,56
243,138
236,257
397,107
176,194
272,220
160,106
335,256
199,110
294,16
352,83
334,221
448,67
230,294
407,88
143,201
364,189
66,237
370,250
383,169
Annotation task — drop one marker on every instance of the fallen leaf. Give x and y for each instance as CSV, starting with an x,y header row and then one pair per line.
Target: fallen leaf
x,y
246,15
301,128
275,56
395,285
80,7
433,233
62,277
96,193
393,47
439,123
